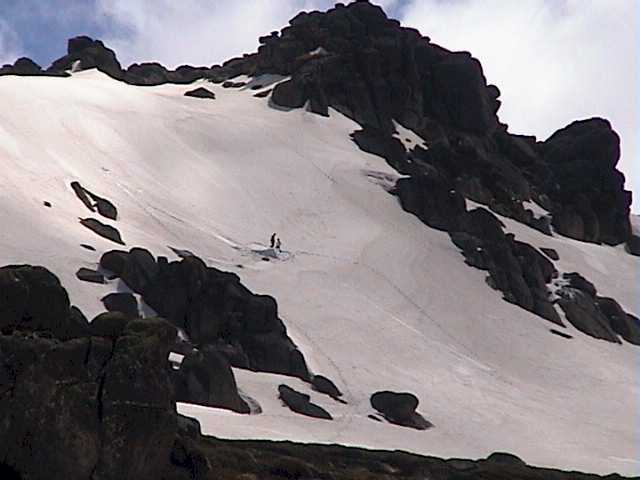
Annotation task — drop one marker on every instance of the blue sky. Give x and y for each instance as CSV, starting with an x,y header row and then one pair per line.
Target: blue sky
x,y
554,60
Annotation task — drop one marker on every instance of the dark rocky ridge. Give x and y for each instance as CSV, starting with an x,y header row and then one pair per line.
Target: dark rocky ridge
x,y
213,308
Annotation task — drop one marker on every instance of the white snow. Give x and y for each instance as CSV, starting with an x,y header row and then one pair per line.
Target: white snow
x,y
375,299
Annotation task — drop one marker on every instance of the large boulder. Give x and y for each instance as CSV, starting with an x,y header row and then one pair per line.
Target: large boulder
x,y
399,408
205,378
590,202
301,403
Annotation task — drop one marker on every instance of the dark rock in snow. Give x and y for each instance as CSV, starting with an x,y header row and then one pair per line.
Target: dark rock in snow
x,y
581,311
201,92
324,385
88,275
104,206
399,408
301,403
624,324
551,253
560,334
88,247
205,378
264,93
125,303
105,231
47,204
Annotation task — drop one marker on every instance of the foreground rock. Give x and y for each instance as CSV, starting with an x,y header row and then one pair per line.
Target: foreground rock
x,y
400,408
213,308
89,407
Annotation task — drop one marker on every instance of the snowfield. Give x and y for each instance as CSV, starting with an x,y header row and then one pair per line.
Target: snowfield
x,y
373,298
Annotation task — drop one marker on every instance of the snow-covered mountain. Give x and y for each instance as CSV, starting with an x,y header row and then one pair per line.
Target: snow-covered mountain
x,y
372,296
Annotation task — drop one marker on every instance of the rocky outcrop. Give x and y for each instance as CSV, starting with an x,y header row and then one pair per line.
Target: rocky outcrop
x,y
80,404
324,385
33,300
205,378
84,53
599,317
400,408
589,200
301,403
213,308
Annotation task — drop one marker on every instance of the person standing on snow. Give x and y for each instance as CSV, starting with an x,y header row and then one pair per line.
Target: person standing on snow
x,y
273,240
278,244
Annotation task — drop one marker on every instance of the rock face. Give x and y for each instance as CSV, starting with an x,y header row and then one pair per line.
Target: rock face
x,y
87,406
205,378
90,54
33,300
599,317
213,308
589,199
399,408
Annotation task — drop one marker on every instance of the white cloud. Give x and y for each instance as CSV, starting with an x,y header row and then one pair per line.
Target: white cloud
x,y
197,32
554,61
10,47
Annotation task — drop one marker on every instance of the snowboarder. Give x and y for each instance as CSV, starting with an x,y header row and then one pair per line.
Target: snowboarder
x,y
278,244
273,240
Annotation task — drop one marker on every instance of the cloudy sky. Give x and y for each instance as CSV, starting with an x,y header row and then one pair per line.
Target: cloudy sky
x,y
554,60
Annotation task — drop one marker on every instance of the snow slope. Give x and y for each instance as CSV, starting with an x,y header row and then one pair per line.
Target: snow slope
x,y
374,298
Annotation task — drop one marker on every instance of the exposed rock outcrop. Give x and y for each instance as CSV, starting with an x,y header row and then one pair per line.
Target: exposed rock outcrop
x,y
301,403
400,408
213,308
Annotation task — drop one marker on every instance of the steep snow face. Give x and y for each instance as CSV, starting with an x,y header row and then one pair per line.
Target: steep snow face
x,y
375,299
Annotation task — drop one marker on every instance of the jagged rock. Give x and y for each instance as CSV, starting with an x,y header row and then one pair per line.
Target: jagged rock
x,y
301,403
112,402
383,145
201,92
433,200
22,66
105,231
326,386
210,306
88,275
551,253
32,299
205,377
125,303
590,202
399,408
580,309
104,206
146,74
91,54
624,324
